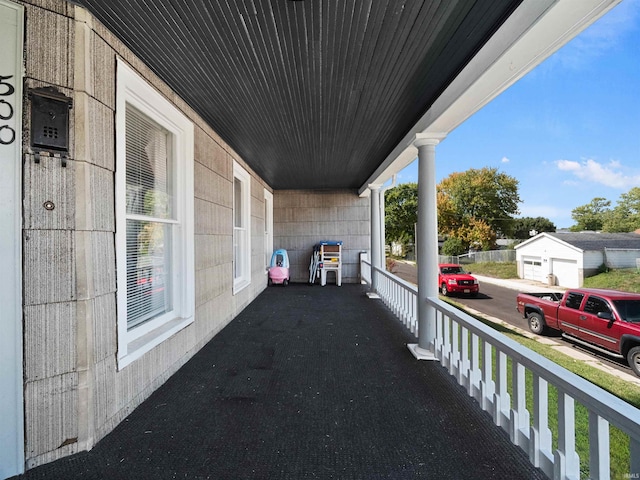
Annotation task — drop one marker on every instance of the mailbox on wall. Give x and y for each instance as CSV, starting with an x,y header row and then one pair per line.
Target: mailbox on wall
x,y
50,122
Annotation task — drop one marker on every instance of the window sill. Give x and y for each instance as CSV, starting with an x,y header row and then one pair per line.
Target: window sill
x,y
137,347
240,285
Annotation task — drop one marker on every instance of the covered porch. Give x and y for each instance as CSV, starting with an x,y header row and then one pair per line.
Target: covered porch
x,y
293,116
307,382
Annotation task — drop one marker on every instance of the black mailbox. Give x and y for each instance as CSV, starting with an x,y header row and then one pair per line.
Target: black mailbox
x,y
50,121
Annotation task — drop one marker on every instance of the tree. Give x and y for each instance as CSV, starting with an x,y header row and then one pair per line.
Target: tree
x,y
401,212
454,246
591,216
477,205
525,225
625,217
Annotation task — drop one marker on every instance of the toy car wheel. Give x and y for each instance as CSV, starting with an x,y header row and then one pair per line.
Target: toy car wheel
x,y
285,282
443,289
633,357
536,323
269,282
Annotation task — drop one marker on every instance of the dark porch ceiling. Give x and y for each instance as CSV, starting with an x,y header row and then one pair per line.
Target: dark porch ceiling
x,y
311,94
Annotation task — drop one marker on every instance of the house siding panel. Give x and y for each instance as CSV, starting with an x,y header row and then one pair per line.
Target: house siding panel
x,y
622,257
302,219
74,392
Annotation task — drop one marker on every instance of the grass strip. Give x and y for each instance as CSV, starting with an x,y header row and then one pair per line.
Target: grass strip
x,y
629,392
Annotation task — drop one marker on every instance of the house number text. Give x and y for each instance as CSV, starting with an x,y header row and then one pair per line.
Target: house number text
x,y
7,134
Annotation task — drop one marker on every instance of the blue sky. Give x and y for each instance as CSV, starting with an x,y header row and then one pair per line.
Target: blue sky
x,y
569,131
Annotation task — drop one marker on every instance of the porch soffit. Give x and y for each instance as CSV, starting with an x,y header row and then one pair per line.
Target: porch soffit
x,y
312,94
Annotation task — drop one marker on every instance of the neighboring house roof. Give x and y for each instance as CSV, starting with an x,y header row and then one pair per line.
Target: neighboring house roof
x,y
586,241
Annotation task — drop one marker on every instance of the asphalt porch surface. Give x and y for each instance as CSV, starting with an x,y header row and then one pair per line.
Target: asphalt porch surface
x,y
308,382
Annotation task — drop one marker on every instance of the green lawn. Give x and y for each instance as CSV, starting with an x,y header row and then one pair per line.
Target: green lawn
x,y
629,392
494,269
626,279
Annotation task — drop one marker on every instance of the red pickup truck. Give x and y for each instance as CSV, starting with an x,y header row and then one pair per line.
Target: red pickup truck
x,y
605,318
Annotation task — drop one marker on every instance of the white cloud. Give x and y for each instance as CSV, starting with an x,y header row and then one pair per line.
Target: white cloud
x,y
612,175
505,160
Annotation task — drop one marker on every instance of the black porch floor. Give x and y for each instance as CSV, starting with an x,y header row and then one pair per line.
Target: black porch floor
x,y
308,382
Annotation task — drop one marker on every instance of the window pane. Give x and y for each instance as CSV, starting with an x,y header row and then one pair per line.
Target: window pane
x,y
596,305
574,300
149,186
148,270
239,236
237,203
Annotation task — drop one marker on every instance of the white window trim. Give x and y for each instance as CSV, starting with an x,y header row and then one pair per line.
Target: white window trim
x,y
268,228
244,280
135,91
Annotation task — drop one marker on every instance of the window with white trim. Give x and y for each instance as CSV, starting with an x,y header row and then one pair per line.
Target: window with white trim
x,y
154,217
241,228
268,227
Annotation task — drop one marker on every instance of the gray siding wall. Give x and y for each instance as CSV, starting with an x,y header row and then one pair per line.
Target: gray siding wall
x,y
304,218
74,393
621,257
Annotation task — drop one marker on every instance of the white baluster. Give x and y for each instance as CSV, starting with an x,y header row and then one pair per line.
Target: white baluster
x,y
540,445
566,460
599,463
501,399
519,414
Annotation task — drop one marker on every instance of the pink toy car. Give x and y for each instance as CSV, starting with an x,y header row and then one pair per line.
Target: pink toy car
x,y
279,268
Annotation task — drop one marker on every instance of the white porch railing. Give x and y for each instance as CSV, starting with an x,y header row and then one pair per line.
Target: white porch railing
x,y
477,356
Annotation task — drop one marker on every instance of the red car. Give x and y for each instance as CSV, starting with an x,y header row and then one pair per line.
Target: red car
x,y
453,279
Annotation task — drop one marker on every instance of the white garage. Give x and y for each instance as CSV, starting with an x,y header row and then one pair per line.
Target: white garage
x,y
565,259
565,272
532,268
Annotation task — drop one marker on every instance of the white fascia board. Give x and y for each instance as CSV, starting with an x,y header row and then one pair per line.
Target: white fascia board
x,y
550,237
536,30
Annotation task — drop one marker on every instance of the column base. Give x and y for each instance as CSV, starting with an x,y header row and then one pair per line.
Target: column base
x,y
421,353
373,295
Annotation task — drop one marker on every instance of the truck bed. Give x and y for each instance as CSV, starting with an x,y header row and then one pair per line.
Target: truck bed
x,y
549,296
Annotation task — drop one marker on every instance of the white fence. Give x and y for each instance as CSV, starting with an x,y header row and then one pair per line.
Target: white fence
x,y
499,256
478,357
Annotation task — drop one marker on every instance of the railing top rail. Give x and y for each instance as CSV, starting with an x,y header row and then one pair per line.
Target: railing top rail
x,y
618,412
393,278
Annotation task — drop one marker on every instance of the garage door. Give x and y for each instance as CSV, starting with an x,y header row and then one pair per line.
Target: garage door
x,y
566,272
532,269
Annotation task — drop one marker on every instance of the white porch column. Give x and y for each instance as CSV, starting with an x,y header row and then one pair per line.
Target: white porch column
x,y
427,245
374,188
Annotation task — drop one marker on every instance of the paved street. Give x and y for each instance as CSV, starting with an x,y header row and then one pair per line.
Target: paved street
x,y
497,303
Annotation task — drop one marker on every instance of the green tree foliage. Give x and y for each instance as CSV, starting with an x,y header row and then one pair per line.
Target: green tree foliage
x,y
598,214
477,205
454,247
523,226
591,216
401,212
625,216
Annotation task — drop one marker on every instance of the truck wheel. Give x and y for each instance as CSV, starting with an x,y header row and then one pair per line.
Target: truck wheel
x,y
633,357
443,290
536,323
